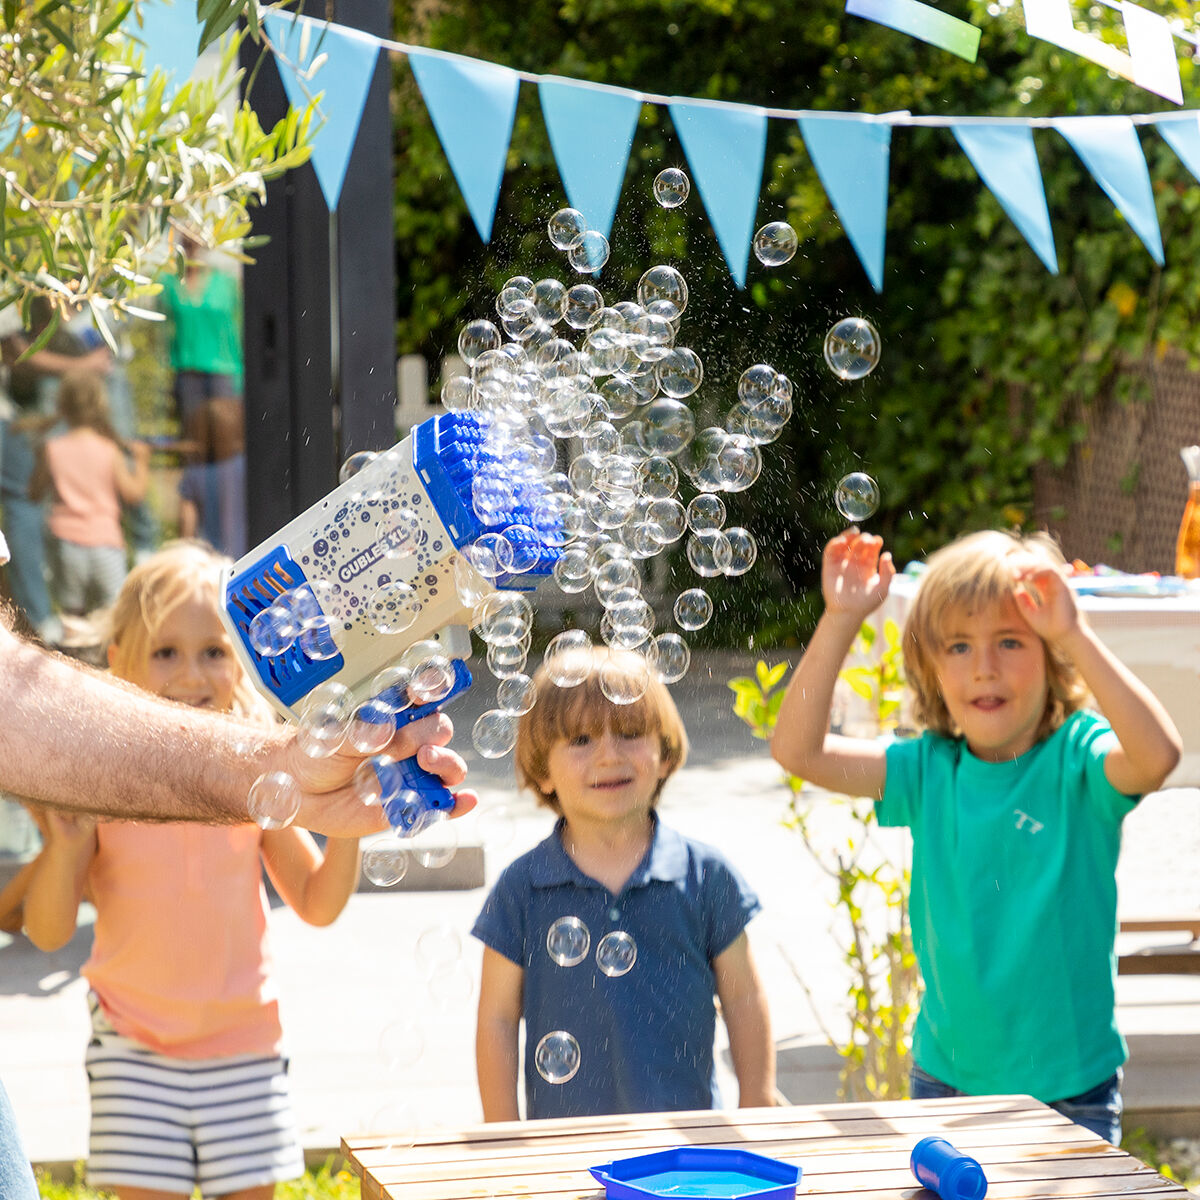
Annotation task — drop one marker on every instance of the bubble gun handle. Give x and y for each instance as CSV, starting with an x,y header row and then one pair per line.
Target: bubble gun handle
x,y
410,795
940,1167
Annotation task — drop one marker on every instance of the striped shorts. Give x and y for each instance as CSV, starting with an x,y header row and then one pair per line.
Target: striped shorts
x,y
171,1124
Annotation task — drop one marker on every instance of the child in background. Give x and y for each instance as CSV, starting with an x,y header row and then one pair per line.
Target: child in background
x,y
86,472
1015,796
644,1033
188,1086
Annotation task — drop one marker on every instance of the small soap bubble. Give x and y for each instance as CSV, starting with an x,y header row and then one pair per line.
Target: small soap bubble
x,y
311,599
401,1043
669,427
435,844
385,862
852,348
392,608
491,554
549,298
274,800
568,941
432,680
476,338
372,782
505,661
273,630
743,550
709,553
571,572
516,694
567,660
671,187
390,688
494,733
857,496
775,244
616,953
680,373
457,393
693,609
665,289
503,618
371,727
669,520
325,719
669,657
315,640
419,651
705,513
590,253
584,303
355,463
557,1057
566,228
438,946
624,678
659,477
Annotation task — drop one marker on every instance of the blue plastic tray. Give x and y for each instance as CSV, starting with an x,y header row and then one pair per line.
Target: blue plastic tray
x,y
699,1171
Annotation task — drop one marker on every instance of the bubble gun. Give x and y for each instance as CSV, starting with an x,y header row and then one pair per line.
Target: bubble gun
x,y
319,612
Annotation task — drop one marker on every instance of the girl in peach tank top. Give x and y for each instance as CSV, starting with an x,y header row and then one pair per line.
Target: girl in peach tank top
x,y
184,1007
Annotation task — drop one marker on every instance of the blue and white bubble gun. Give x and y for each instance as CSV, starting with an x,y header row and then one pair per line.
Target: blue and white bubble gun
x,y
389,562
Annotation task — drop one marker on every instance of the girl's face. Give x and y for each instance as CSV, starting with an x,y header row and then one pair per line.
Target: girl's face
x,y
605,777
189,658
991,670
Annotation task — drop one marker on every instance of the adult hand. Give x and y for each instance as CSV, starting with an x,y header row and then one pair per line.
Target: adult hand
x,y
855,574
328,803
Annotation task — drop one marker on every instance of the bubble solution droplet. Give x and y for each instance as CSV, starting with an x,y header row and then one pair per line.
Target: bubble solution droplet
x,y
274,800
616,953
775,244
671,187
568,941
557,1057
852,348
857,496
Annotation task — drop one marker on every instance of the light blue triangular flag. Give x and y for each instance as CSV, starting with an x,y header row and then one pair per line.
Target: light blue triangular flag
x,y
1007,162
591,131
851,157
472,105
1183,136
342,81
1110,150
725,145
172,37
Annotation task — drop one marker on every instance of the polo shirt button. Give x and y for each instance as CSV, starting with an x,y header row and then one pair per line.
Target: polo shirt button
x,y
614,914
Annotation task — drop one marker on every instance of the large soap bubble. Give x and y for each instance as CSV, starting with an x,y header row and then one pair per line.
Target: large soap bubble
x,y
852,348
671,187
775,244
857,496
557,1057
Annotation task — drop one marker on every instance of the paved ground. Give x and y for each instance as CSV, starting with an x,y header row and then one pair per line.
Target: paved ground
x,y
379,1009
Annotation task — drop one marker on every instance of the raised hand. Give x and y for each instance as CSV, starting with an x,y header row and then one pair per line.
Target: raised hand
x,y
1044,598
856,573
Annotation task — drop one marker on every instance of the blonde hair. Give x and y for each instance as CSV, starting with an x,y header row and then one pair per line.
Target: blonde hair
x,y
180,571
970,574
566,712
83,403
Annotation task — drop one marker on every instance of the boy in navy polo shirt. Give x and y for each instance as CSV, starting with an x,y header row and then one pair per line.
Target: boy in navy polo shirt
x,y
611,937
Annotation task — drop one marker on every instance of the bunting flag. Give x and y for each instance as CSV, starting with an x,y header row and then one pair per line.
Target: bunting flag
x,y
1183,136
171,35
1007,162
338,63
851,156
472,105
725,145
1110,150
922,22
591,131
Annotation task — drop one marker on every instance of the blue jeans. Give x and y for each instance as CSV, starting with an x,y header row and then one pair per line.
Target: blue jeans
x,y
1098,1109
16,1176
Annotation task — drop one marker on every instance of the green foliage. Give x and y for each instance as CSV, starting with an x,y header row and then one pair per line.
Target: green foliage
x,y
882,998
1164,1156
101,160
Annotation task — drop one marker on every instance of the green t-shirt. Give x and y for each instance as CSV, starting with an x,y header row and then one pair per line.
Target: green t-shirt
x,y
206,326
1013,909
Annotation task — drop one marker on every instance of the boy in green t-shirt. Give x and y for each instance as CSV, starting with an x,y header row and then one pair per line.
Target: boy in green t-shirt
x,y
1015,796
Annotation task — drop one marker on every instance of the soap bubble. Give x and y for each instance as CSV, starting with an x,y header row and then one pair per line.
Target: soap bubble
x,y
663,285
557,1057
709,553
659,477
392,608
775,244
852,348
385,862
457,393
390,688
668,518
273,630
743,550
435,843
355,463
693,609
399,539
566,659
311,599
705,513
584,303
415,654
624,678
506,661
671,187
400,1043
494,733
857,496
616,953
590,253
516,694
374,780
371,727
669,427
469,585
503,618
738,463
432,680
566,228
568,941
438,946
274,800
476,338
669,657
680,373
491,554
315,639
325,719
550,300
571,572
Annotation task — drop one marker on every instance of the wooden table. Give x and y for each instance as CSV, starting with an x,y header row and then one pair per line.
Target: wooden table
x,y
847,1152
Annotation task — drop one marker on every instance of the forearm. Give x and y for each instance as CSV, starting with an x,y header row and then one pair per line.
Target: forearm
x,y
496,1066
52,897
12,899
751,1047
332,883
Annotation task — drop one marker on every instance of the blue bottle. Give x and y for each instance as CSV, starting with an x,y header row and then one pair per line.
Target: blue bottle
x,y
938,1166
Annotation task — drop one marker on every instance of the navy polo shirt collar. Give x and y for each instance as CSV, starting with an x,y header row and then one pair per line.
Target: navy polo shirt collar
x,y
665,861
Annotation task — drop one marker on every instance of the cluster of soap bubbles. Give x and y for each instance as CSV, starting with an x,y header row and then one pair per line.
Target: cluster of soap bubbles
x,y
586,249
568,941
